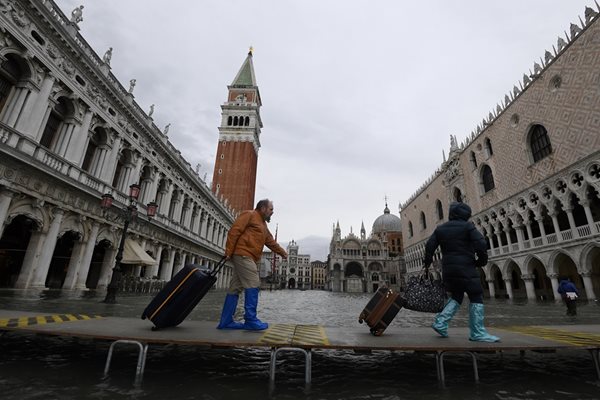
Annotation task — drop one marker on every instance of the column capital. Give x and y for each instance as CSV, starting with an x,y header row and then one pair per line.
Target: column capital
x,y
552,276
586,274
527,277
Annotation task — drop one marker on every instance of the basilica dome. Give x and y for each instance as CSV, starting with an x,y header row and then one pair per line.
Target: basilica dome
x,y
387,222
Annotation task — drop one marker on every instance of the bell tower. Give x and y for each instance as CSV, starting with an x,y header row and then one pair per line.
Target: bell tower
x,y
234,176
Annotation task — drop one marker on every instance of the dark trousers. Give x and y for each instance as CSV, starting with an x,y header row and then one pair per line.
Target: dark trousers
x,y
458,288
571,306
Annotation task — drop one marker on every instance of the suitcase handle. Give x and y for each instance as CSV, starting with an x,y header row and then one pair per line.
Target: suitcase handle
x,y
219,266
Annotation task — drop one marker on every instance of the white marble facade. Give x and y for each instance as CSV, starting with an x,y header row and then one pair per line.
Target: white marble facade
x,y
70,132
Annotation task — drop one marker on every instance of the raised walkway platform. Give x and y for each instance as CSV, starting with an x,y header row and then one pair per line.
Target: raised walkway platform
x,y
303,338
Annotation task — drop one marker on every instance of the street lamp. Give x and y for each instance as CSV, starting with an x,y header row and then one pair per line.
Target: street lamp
x,y
127,214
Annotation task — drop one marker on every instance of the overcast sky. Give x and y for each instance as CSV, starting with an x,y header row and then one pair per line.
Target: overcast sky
x,y
359,97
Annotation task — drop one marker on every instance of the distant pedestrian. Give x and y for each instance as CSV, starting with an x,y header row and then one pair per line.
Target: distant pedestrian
x,y
569,293
460,242
245,241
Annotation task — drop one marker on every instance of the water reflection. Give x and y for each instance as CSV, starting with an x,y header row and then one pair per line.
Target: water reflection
x,y
33,367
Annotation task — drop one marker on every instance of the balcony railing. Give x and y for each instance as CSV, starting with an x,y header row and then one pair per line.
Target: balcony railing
x,y
550,239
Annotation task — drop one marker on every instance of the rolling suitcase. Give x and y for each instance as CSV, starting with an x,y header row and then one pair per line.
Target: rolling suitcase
x,y
181,294
381,310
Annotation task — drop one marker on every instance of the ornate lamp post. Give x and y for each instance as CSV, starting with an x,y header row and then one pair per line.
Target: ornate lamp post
x,y
127,214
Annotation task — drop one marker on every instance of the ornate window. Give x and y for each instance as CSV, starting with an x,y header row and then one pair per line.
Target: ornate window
x,y
440,211
488,147
487,178
423,221
539,142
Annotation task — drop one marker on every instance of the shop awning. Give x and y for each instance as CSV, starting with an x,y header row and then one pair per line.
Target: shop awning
x,y
133,254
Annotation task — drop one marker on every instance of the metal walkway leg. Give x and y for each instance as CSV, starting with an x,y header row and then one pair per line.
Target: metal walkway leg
x,y
439,361
594,353
307,367
141,364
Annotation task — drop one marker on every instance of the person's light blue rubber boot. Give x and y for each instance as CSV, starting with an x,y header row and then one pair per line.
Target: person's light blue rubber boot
x,y
229,306
478,332
440,323
252,323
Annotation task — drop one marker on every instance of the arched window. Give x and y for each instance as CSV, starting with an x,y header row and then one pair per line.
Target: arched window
x,y
423,221
457,195
410,229
487,178
473,160
10,73
92,157
539,142
247,121
55,121
488,146
229,120
439,210
235,121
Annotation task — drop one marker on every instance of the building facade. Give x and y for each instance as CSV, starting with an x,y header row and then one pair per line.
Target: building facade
x,y
234,177
363,264
69,133
319,275
295,270
531,174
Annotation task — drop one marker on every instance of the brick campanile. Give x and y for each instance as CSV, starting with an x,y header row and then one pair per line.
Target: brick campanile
x,y
234,176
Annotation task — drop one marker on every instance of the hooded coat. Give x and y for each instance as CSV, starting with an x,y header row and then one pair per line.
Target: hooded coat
x,y
460,241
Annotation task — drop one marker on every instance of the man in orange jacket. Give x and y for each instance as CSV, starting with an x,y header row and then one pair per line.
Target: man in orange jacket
x,y
245,241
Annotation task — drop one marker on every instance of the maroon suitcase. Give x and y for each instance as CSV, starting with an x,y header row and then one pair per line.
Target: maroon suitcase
x,y
381,310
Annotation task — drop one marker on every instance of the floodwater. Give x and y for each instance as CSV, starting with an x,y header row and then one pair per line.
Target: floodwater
x,y
40,367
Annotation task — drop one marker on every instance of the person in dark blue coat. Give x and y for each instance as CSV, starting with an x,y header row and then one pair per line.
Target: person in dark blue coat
x,y
569,293
463,249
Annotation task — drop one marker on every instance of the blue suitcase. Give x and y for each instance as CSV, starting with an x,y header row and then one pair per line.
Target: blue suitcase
x,y
180,295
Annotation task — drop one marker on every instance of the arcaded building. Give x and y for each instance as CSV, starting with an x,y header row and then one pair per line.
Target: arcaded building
x,y
70,132
531,173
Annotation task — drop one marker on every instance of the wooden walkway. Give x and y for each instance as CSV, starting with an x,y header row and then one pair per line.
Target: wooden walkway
x,y
302,338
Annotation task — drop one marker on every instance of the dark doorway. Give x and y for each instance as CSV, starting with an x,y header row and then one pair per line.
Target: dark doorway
x,y
13,246
95,270
60,260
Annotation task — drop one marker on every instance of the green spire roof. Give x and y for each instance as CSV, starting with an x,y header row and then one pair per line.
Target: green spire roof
x,y
245,76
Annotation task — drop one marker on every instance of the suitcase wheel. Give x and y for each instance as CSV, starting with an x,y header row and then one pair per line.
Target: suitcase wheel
x,y
360,320
154,328
376,332
143,316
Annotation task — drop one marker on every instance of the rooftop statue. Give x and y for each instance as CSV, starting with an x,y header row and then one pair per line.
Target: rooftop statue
x,y
76,15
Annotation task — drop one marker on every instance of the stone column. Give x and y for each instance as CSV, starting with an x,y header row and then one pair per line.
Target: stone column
x,y
540,221
529,287
181,264
509,288
32,254
588,215
76,151
491,287
165,201
572,225
40,271
14,103
108,173
554,281
5,199
108,263
555,225
196,225
99,160
153,270
87,257
529,233
520,237
64,138
74,265
507,233
169,268
35,109
588,285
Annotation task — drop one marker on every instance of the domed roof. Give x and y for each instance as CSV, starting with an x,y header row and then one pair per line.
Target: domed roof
x,y
387,222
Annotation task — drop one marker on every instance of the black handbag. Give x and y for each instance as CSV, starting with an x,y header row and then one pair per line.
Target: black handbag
x,y
425,294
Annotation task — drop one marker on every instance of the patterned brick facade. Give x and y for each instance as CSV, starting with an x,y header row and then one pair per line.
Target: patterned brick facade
x,y
539,213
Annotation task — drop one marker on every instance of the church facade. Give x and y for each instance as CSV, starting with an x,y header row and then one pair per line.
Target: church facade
x,y
70,132
364,264
531,174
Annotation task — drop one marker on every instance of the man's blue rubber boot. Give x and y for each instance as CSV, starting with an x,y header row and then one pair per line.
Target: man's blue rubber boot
x,y
250,303
440,323
478,332
228,312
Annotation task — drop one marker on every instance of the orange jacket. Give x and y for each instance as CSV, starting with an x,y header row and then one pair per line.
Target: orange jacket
x,y
248,235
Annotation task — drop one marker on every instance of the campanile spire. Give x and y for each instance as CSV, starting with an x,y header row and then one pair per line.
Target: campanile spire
x,y
234,176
